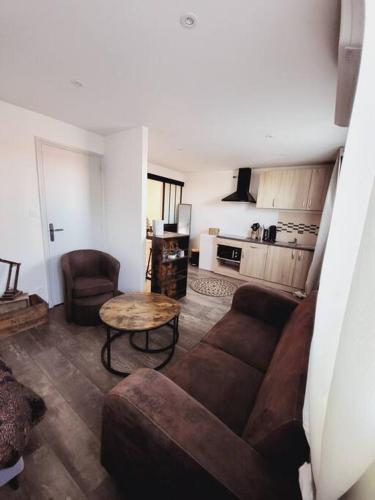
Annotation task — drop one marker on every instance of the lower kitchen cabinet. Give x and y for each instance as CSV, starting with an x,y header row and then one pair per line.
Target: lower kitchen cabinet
x,y
253,260
303,260
280,265
288,266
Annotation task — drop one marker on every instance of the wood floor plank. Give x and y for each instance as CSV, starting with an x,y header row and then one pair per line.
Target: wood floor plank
x,y
82,395
54,481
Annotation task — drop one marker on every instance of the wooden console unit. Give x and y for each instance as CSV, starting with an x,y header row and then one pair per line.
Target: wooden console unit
x,y
169,276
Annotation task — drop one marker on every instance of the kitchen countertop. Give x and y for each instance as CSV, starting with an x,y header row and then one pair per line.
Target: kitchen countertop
x,y
276,243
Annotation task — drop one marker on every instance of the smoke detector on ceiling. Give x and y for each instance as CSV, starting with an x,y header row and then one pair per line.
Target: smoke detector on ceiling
x,y
188,21
76,83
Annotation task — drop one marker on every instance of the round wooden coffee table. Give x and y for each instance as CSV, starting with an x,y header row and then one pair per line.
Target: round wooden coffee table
x,y
138,312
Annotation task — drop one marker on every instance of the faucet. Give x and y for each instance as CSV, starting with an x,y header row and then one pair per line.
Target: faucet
x,y
294,242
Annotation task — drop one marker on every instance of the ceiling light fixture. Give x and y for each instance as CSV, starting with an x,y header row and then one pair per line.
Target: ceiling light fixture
x,y
188,21
76,83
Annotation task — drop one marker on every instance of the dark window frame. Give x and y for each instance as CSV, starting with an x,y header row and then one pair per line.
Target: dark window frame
x,y
167,180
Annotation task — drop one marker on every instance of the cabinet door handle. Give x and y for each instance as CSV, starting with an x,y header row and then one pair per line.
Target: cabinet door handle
x,y
300,255
304,203
273,202
292,254
309,203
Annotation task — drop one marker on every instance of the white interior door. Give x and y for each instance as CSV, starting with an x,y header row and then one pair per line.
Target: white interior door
x,y
74,208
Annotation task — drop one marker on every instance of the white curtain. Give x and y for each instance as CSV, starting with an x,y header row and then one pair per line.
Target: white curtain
x,y
339,410
313,276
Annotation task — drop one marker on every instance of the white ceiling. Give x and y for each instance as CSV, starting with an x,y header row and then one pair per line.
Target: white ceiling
x,y
210,96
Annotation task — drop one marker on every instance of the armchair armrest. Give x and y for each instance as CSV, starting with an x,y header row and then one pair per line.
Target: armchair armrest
x,y
268,305
111,267
157,440
68,285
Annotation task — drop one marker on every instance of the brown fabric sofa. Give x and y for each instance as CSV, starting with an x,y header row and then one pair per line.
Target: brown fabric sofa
x,y
90,279
226,420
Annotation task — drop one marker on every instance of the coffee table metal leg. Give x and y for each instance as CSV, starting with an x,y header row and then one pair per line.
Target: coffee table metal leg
x,y
176,332
106,353
108,347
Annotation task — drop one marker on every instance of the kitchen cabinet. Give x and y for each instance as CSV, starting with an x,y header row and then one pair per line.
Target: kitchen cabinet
x,y
320,178
253,260
288,266
277,266
280,265
268,191
293,189
302,262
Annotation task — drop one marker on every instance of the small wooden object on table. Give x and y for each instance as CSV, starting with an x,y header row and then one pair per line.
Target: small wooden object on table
x,y
136,313
11,291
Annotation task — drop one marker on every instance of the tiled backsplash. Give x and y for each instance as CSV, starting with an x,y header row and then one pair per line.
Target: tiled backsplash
x,y
304,227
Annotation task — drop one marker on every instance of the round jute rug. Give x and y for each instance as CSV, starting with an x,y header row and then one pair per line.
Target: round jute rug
x,y
213,287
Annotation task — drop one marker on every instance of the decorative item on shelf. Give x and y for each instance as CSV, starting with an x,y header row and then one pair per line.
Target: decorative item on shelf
x,y
158,227
11,291
213,231
255,231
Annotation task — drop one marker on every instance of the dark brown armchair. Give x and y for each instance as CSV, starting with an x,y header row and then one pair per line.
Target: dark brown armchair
x,y
90,279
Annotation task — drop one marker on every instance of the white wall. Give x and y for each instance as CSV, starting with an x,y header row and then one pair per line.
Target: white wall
x,y
341,380
125,175
205,190
177,175
20,222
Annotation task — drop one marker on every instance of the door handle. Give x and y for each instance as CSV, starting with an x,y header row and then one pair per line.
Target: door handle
x,y
52,231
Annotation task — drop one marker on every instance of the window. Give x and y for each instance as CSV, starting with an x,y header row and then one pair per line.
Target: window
x,y
164,195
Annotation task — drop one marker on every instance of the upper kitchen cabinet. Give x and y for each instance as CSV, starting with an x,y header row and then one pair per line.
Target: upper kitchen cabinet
x,y
320,178
293,189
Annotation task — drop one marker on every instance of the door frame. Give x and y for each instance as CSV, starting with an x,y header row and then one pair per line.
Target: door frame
x,y
39,143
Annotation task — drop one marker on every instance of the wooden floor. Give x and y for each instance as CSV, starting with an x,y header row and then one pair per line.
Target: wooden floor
x,y
62,363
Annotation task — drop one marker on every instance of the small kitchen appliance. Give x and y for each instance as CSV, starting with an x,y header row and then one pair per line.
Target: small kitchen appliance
x,y
255,231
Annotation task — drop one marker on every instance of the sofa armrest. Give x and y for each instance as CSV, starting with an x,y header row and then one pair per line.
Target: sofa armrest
x,y
158,440
271,306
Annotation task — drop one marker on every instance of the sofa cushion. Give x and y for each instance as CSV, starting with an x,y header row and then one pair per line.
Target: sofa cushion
x,y
222,383
85,286
247,338
275,424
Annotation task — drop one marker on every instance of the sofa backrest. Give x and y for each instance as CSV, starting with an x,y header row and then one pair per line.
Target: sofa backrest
x,y
275,427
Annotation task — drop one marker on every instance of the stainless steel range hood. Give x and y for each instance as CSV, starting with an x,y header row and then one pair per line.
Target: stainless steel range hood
x,y
243,187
